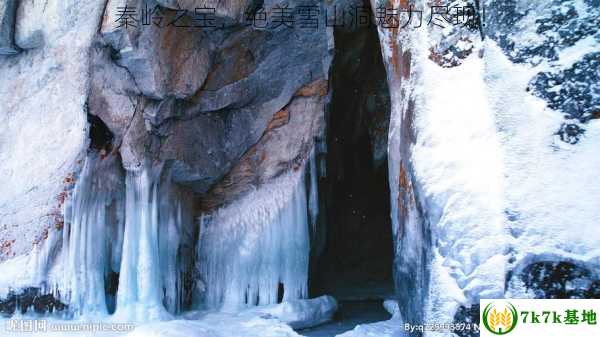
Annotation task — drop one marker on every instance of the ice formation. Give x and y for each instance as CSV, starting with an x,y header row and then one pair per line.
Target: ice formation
x,y
93,222
138,226
175,220
313,199
151,272
247,249
140,285
138,230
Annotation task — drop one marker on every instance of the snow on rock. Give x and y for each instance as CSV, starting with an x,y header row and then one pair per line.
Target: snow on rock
x,y
301,314
247,249
492,159
551,204
42,116
458,163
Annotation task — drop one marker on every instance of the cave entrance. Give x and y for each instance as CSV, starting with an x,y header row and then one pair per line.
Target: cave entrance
x,y
353,262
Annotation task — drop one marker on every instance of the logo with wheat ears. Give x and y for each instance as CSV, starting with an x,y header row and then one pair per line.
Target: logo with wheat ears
x,y
500,318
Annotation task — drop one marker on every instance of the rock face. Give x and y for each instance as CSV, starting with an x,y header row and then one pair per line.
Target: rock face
x,y
7,27
204,98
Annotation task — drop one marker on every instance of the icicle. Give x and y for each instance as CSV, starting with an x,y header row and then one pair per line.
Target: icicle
x,y
321,149
105,232
139,296
85,237
313,200
247,249
118,230
173,222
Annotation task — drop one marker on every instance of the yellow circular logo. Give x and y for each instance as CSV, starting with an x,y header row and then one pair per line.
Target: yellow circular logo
x,y
500,318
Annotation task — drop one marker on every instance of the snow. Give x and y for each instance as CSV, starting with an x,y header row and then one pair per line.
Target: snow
x,y
218,325
458,163
500,190
274,320
42,116
568,56
251,246
300,314
549,182
390,328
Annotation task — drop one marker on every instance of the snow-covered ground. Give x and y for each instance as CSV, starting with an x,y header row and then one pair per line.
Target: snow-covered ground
x,y
278,320
390,328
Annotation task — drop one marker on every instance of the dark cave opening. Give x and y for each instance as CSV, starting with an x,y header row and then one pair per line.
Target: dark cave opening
x,y
356,255
100,136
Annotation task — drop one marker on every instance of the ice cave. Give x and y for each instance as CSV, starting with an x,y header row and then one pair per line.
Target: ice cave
x,y
290,168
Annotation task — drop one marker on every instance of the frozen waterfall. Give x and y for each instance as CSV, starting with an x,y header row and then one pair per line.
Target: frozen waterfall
x,y
135,229
91,218
140,285
130,245
157,225
247,249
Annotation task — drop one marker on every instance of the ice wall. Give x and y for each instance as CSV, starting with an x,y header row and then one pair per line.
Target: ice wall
x,y
247,249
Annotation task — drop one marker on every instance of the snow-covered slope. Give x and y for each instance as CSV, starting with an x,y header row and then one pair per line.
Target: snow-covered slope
x,y
493,150
43,126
